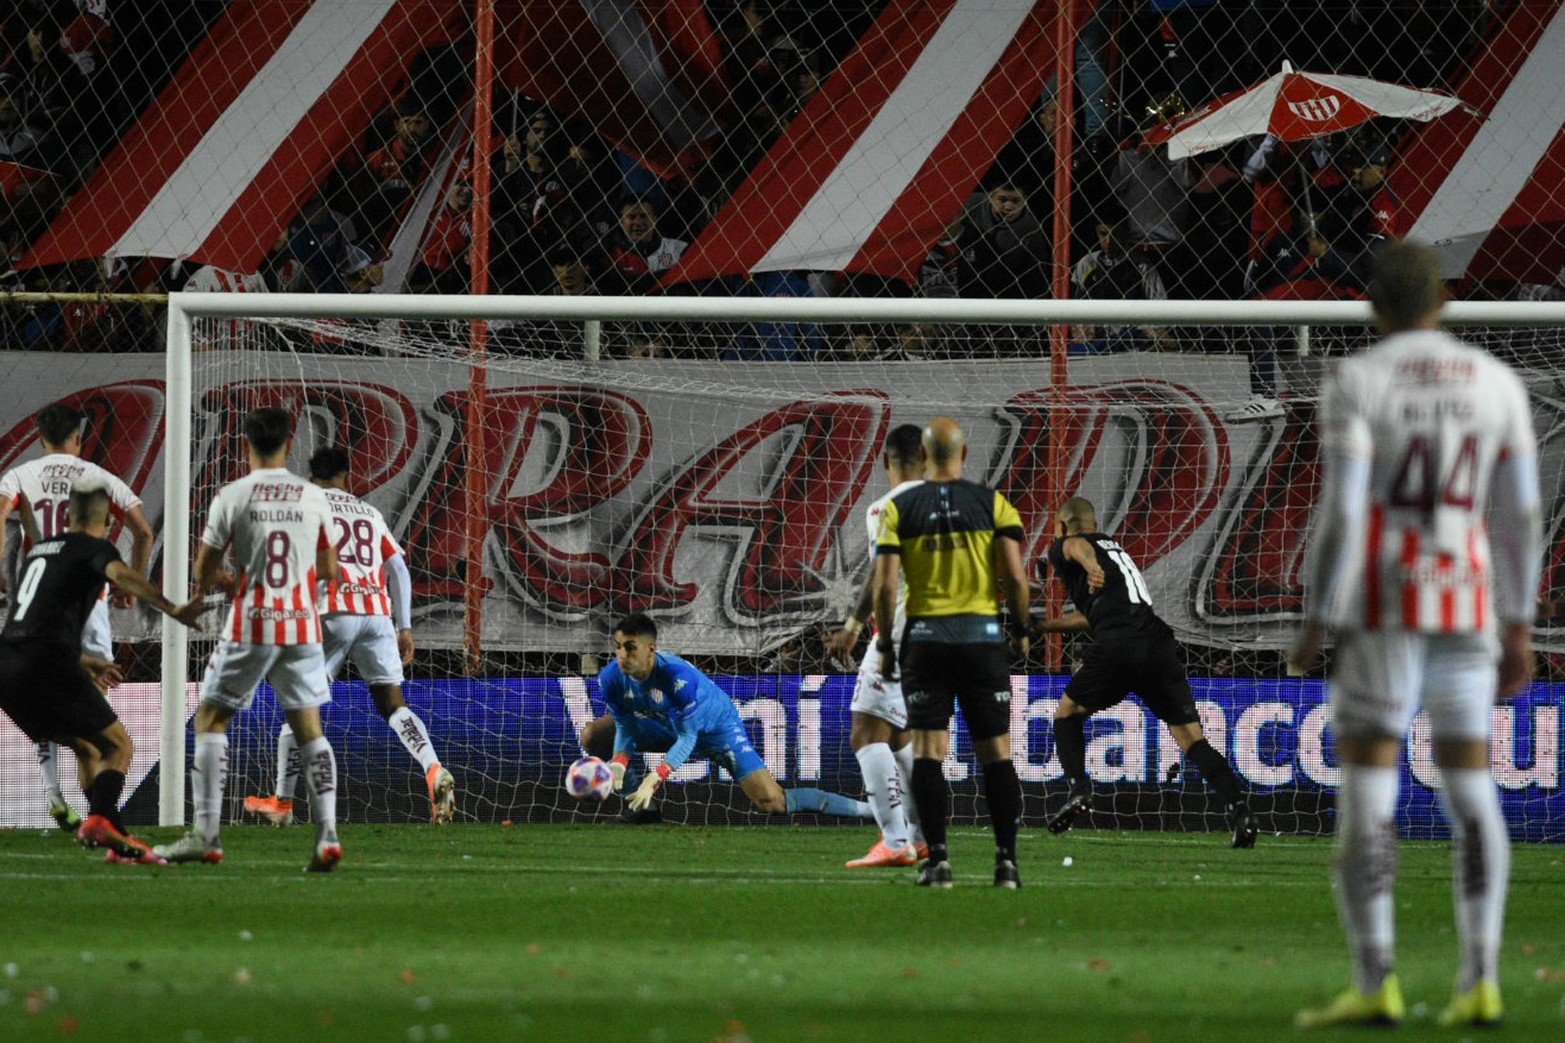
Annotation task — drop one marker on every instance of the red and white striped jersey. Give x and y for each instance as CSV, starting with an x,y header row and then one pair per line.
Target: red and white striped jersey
x,y
363,543
873,517
275,521
1432,416
45,485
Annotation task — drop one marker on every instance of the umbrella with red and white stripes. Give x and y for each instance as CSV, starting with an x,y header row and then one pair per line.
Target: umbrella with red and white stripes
x,y
1293,106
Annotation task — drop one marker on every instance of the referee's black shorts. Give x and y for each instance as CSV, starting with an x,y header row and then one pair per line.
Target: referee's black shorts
x,y
975,675
49,696
1151,668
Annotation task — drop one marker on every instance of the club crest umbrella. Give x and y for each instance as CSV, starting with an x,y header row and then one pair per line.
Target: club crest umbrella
x,y
1293,106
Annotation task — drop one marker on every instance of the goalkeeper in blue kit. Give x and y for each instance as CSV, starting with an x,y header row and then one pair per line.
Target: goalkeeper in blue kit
x,y
660,703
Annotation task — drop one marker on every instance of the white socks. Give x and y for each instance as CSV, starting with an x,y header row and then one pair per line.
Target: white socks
x,y
883,787
1366,869
410,729
287,764
319,765
904,758
208,776
49,768
1481,853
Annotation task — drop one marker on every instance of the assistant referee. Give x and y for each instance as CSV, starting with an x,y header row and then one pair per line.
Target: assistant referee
x,y
958,543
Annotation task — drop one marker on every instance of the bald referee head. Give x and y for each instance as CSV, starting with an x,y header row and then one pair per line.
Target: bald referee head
x,y
1407,290
945,449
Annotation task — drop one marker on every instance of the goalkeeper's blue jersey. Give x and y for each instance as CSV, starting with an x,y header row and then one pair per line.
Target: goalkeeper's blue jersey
x,y
675,694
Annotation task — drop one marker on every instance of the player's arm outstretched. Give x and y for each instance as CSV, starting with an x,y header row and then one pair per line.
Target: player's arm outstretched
x,y
682,719
1064,623
135,584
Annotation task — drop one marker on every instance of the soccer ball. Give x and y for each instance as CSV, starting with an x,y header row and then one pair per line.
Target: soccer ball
x,y
588,778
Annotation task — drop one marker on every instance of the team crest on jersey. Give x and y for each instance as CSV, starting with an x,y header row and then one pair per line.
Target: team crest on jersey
x,y
656,695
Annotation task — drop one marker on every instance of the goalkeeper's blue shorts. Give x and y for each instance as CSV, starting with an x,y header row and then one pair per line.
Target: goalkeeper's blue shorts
x,y
728,745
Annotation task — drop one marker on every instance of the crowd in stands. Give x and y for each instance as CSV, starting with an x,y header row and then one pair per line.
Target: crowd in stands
x,y
570,214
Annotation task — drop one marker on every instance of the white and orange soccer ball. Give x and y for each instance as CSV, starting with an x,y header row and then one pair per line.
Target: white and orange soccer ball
x,y
589,779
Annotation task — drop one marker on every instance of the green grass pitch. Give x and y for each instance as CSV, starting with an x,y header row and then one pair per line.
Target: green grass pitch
x,y
606,932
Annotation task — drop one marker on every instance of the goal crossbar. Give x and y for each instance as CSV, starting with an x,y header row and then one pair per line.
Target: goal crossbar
x,y
185,308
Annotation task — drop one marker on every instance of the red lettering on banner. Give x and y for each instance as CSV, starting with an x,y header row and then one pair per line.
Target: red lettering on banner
x,y
553,454
377,425
124,431
1167,475
1254,567
825,451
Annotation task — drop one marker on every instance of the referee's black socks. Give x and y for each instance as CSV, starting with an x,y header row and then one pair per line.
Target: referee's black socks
x,y
103,795
1070,742
1004,791
1215,770
932,797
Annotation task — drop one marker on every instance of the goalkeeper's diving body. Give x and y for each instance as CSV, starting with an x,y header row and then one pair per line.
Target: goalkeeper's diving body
x,y
660,703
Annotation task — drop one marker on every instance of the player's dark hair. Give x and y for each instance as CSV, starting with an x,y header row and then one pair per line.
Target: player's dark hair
x,y
267,429
637,624
57,422
1407,285
904,445
328,463
89,501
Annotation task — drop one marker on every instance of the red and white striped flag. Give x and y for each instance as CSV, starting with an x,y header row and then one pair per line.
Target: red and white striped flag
x,y
645,74
249,128
1488,191
867,177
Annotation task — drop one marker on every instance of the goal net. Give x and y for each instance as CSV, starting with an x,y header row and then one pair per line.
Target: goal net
x,y
614,466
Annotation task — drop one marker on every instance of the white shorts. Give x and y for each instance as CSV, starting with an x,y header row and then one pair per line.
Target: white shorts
x,y
97,639
369,641
1381,677
876,696
297,673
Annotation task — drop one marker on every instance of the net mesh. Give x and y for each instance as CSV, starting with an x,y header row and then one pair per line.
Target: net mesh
x,y
766,148
727,498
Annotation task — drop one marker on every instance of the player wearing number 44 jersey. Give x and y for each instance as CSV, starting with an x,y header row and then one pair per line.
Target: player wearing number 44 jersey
x,y
277,526
40,490
1427,536
371,590
48,687
1132,650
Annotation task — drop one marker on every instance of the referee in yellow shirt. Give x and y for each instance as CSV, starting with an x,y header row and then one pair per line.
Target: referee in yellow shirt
x,y
958,543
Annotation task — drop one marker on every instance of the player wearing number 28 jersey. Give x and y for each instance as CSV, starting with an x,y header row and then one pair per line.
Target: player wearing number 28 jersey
x,y
276,525
372,589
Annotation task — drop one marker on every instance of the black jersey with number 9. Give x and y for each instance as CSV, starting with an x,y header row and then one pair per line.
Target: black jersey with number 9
x,y
56,586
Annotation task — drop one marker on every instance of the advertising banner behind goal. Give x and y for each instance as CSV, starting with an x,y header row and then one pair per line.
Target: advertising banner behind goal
x,y
728,498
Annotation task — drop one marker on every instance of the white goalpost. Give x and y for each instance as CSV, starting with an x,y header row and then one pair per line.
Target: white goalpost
x,y
571,525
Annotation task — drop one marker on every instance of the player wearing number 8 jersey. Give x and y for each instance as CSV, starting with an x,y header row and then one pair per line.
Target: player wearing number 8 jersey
x,y
276,525
372,589
1132,650
1427,537
42,486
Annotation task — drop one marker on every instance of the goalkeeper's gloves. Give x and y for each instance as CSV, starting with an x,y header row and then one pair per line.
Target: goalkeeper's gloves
x,y
642,798
617,768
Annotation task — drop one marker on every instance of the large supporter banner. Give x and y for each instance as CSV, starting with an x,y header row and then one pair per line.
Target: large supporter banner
x,y
508,741
728,498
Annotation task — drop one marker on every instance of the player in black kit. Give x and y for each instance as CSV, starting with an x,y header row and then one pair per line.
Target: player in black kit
x,y
1132,651
54,692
